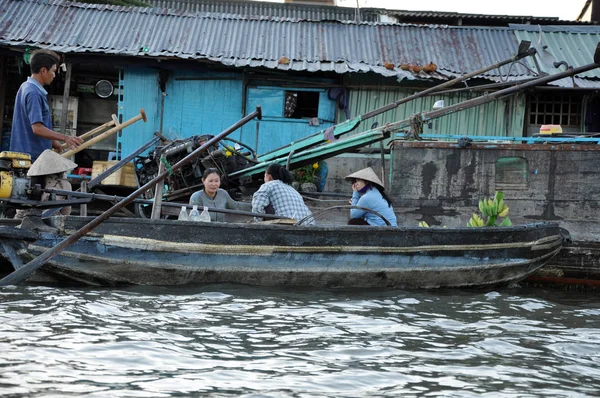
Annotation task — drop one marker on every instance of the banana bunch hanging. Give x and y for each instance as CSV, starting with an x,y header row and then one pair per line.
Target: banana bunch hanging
x,y
492,209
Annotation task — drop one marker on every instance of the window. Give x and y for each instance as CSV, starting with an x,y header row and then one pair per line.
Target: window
x,y
555,108
301,104
511,173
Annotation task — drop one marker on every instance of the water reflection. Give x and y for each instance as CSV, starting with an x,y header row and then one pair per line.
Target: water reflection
x,y
229,340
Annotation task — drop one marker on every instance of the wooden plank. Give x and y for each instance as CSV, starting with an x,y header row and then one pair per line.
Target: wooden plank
x,y
158,194
65,101
83,207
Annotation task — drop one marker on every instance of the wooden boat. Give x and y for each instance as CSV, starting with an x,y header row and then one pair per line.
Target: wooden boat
x,y
171,252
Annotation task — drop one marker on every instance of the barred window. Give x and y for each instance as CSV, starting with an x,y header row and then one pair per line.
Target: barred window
x,y
511,173
556,108
301,104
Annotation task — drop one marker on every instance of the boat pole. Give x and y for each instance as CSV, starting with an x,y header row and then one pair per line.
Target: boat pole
x,y
484,99
26,270
524,50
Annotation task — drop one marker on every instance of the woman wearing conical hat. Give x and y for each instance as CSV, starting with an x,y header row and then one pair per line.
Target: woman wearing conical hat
x,y
368,192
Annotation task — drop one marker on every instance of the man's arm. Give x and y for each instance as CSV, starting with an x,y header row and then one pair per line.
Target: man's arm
x,y
260,200
40,130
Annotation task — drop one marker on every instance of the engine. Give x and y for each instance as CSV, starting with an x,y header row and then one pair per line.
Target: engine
x,y
224,157
14,183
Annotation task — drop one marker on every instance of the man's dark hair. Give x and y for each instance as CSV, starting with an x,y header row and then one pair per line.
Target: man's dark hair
x,y
43,59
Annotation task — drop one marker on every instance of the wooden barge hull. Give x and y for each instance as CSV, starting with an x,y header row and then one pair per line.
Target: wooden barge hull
x,y
166,252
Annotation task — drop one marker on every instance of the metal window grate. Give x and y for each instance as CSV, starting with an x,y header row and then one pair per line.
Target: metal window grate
x,y
556,108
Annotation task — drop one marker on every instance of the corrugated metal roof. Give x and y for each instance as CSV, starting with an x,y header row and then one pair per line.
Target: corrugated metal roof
x,y
443,14
573,44
479,17
309,12
255,42
315,12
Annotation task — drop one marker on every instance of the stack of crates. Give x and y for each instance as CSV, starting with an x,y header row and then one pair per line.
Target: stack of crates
x,y
124,177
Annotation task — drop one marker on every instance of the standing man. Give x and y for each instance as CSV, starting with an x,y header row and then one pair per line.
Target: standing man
x,y
32,122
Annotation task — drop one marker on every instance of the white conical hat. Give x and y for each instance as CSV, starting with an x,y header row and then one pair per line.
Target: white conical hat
x,y
50,162
365,174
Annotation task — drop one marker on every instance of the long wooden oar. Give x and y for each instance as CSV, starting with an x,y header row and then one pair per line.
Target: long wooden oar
x,y
106,134
93,132
25,271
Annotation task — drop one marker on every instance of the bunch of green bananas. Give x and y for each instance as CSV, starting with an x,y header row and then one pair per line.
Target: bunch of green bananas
x,y
423,224
476,221
494,207
491,208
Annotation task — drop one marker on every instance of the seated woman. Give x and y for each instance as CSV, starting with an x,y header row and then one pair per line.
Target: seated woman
x,y
369,193
277,192
213,196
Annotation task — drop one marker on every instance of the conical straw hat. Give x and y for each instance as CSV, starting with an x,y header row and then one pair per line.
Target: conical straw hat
x,y
365,174
50,162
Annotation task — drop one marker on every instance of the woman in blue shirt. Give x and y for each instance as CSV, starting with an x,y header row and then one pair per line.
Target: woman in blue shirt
x,y
369,193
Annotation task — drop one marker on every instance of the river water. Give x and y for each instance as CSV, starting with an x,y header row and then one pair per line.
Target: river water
x,y
233,340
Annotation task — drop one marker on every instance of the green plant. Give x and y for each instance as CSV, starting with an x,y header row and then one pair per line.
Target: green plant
x,y
491,210
306,173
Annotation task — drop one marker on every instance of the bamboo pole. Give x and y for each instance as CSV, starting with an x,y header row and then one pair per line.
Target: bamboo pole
x,y
106,134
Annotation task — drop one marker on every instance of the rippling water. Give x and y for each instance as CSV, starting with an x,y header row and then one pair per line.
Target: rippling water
x,y
226,340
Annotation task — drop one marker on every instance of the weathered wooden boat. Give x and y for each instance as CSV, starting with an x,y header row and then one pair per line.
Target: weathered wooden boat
x,y
171,252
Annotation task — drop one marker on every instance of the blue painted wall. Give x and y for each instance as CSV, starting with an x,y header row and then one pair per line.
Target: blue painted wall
x,y
138,89
276,131
194,107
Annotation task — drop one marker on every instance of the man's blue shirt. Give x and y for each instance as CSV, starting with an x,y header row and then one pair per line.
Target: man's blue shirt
x,y
31,106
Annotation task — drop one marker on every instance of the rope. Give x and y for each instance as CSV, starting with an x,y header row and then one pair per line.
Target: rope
x,y
167,165
416,126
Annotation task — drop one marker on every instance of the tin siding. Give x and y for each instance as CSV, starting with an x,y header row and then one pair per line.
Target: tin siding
x,y
574,45
488,119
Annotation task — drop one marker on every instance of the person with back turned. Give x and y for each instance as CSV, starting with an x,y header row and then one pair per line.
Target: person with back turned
x,y
276,193
32,121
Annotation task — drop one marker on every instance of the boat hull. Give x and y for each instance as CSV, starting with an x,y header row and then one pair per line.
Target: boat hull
x,y
166,252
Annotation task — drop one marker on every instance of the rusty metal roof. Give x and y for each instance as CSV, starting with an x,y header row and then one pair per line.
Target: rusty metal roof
x,y
308,12
254,41
316,12
327,46
573,44
472,19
